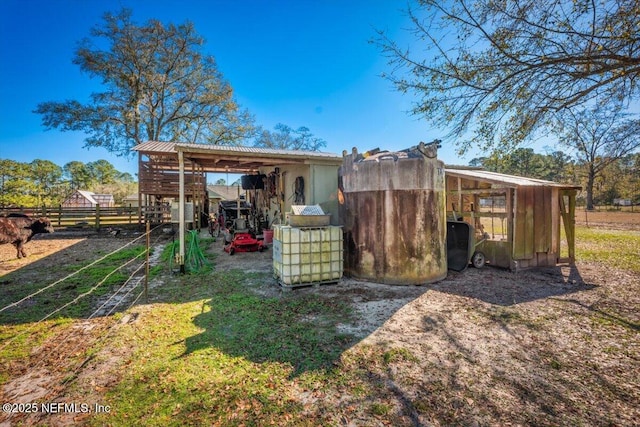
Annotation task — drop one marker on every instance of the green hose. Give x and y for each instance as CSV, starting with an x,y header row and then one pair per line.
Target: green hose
x,y
195,260
174,252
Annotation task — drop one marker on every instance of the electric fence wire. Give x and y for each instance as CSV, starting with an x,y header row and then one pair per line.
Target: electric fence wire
x,y
105,333
63,340
79,297
108,329
129,279
39,291
117,292
73,301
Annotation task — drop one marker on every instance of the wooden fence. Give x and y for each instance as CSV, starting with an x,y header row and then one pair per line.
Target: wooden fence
x,y
97,217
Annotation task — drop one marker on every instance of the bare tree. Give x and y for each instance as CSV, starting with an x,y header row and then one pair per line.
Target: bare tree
x,y
599,138
494,72
159,86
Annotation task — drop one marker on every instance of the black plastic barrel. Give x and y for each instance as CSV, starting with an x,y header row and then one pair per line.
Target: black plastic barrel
x,y
460,245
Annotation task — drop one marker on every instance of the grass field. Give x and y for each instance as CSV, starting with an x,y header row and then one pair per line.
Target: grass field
x,y
615,248
69,296
221,355
211,349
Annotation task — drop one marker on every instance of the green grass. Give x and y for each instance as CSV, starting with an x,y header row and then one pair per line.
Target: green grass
x,y
212,352
395,355
614,248
67,290
209,350
215,352
21,328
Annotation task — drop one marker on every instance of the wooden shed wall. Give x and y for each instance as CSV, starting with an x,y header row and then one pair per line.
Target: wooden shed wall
x,y
534,226
535,215
156,181
104,200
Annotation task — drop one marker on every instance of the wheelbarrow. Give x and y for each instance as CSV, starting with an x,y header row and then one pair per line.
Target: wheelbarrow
x,y
244,242
462,246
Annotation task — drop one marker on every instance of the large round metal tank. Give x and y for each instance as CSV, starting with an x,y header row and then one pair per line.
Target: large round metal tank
x,y
393,210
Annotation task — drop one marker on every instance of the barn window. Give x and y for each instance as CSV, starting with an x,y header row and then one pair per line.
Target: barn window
x,y
491,223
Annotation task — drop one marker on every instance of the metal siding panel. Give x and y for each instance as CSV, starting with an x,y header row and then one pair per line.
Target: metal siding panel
x,y
499,178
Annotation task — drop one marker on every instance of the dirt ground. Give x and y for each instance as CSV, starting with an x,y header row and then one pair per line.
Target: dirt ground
x,y
618,220
544,346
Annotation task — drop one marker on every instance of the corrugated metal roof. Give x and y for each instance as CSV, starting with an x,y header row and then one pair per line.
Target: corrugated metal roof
x,y
172,147
225,192
503,179
155,147
88,195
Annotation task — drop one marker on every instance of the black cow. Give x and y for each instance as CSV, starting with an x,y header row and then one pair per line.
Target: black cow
x,y
18,229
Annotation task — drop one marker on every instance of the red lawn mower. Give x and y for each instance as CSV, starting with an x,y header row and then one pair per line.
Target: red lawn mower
x,y
244,242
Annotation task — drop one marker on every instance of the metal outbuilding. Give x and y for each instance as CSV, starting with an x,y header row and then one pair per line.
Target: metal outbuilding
x,y
88,199
519,222
178,170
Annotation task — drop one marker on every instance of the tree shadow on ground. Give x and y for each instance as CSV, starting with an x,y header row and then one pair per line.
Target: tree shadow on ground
x,y
603,314
505,288
33,287
303,327
295,328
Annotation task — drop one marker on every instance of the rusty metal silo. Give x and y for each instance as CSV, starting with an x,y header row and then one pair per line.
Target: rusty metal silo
x,y
393,210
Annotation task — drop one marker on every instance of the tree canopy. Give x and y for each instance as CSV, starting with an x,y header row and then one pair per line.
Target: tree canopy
x,y
554,166
159,85
616,178
42,182
599,137
286,138
495,72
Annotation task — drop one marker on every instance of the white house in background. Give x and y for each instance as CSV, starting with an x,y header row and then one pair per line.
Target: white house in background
x,y
131,201
622,202
88,199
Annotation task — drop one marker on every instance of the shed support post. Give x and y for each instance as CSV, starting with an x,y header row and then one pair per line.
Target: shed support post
x,y
460,208
181,222
194,199
569,221
140,190
571,237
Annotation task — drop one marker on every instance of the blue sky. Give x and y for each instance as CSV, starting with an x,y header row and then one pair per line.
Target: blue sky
x,y
301,63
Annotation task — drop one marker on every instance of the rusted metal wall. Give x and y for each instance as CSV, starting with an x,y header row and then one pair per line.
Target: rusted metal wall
x,y
393,212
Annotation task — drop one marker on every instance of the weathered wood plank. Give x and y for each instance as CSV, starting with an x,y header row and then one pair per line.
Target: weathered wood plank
x,y
542,219
524,243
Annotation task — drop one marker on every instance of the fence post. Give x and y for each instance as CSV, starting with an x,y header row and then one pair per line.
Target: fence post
x,y
59,215
146,272
98,216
